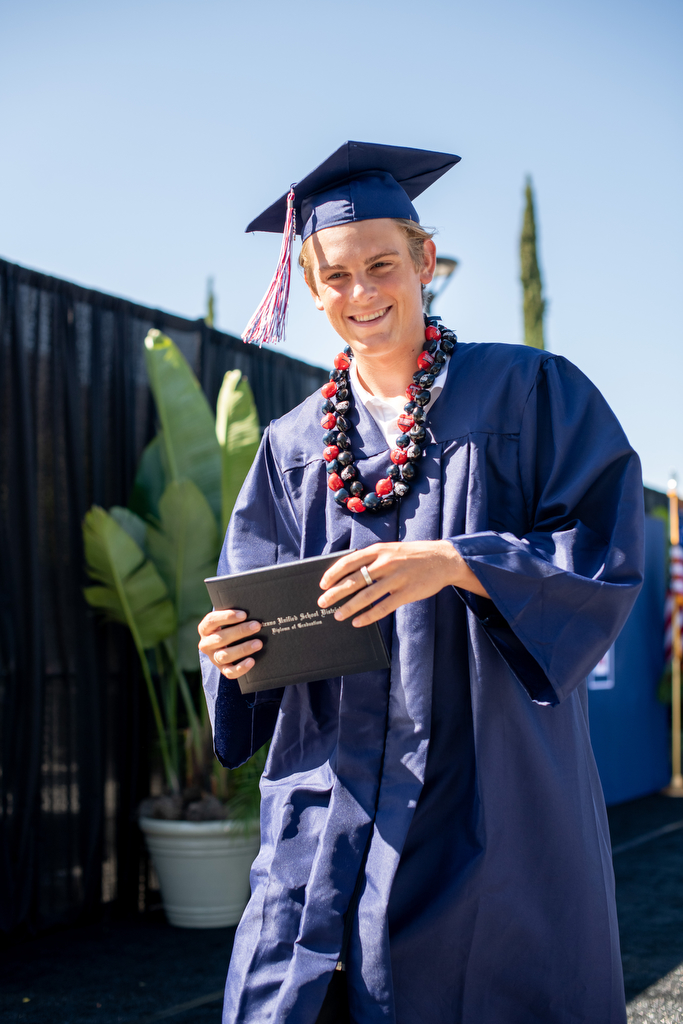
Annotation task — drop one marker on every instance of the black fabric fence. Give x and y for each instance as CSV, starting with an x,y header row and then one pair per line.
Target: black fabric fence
x,y
75,414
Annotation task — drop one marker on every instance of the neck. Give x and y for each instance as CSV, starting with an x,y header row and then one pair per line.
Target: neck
x,y
388,374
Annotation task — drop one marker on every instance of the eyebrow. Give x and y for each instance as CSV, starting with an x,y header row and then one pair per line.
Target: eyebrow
x,y
372,259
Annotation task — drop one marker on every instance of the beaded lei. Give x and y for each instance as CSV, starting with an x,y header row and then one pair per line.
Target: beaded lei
x,y
342,475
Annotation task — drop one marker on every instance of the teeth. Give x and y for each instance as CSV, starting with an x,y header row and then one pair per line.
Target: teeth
x,y
370,316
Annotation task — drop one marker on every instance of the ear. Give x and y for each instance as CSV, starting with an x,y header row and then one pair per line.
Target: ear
x,y
314,294
427,272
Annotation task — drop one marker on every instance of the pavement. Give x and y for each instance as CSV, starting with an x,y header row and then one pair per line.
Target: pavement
x,y
144,971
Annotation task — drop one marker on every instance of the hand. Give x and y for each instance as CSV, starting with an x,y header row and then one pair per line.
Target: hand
x,y
217,630
402,572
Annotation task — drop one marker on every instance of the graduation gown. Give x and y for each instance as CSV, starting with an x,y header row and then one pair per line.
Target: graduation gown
x,y
459,785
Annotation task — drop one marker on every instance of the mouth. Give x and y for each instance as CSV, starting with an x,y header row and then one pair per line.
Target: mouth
x,y
367,318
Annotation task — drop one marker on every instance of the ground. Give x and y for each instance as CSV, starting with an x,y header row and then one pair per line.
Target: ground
x,y
146,971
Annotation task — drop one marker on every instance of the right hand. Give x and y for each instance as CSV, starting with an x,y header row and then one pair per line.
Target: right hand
x,y
218,629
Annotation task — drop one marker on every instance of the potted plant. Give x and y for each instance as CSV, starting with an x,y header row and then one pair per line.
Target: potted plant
x,y
148,563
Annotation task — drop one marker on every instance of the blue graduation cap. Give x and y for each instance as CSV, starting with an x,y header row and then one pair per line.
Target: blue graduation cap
x,y
360,181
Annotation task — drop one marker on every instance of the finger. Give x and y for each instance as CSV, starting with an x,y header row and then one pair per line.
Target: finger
x,y
378,611
230,655
216,620
235,671
348,585
228,635
363,599
348,564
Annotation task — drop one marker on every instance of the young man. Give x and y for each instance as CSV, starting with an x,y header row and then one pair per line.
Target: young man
x,y
438,830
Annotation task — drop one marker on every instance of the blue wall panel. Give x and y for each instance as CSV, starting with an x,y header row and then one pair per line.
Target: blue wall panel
x,y
629,725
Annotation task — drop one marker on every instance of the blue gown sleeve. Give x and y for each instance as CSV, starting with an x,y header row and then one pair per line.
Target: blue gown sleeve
x,y
560,594
263,530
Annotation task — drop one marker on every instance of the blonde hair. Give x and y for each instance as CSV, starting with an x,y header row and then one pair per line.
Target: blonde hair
x,y
415,235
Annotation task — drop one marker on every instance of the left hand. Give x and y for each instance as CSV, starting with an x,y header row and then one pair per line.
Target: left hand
x,y
401,572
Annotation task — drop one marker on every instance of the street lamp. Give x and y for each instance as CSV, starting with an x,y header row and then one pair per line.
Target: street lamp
x,y
445,265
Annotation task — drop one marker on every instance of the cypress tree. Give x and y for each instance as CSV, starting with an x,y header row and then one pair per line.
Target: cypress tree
x,y
534,303
210,303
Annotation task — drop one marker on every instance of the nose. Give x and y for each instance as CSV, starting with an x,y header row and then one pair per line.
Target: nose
x,y
363,289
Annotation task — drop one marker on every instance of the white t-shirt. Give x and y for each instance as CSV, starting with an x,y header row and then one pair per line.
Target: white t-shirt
x,y
386,411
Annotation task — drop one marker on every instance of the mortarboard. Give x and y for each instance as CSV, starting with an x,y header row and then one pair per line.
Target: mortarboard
x,y
360,181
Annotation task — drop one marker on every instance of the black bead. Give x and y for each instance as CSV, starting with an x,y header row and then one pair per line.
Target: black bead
x,y
342,496
417,376
356,489
333,467
345,459
409,471
394,472
371,501
439,358
426,380
349,472
343,395
343,441
343,423
447,345
402,441
388,502
343,408
414,452
410,408
422,397
417,433
334,374
327,406
433,320
419,414
433,347
348,351
401,489
330,437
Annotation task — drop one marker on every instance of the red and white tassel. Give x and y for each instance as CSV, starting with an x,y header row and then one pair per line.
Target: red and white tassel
x,y
267,325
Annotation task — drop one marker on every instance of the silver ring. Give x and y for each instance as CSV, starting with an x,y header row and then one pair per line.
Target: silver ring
x,y
366,576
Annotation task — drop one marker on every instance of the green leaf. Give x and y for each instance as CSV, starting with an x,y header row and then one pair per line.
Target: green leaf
x,y
188,436
150,480
239,435
131,590
184,547
134,526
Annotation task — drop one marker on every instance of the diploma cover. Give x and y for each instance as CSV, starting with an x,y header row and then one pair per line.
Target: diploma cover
x,y
301,642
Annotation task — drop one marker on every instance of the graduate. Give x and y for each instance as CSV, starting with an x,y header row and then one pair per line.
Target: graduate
x,y
434,842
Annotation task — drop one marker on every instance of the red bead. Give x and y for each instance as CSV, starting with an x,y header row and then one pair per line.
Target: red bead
x,y
405,422
425,360
411,391
329,421
329,389
342,361
432,333
384,486
355,504
331,452
335,482
398,457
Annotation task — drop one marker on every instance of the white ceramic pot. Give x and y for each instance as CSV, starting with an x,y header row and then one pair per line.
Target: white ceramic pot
x,y
203,869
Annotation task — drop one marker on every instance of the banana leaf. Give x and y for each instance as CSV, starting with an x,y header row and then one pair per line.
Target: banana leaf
x,y
191,449
134,526
184,547
239,435
150,481
130,591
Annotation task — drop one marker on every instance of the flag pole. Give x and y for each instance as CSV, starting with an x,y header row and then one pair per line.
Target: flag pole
x,y
675,787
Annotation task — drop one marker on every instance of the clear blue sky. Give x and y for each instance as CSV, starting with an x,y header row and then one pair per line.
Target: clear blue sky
x,y
138,140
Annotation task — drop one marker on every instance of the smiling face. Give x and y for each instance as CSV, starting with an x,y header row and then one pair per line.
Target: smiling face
x,y
368,285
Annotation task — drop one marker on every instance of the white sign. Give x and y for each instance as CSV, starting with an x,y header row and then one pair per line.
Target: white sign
x,y
602,676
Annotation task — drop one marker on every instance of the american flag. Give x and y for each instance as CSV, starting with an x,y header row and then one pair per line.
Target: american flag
x,y
675,591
